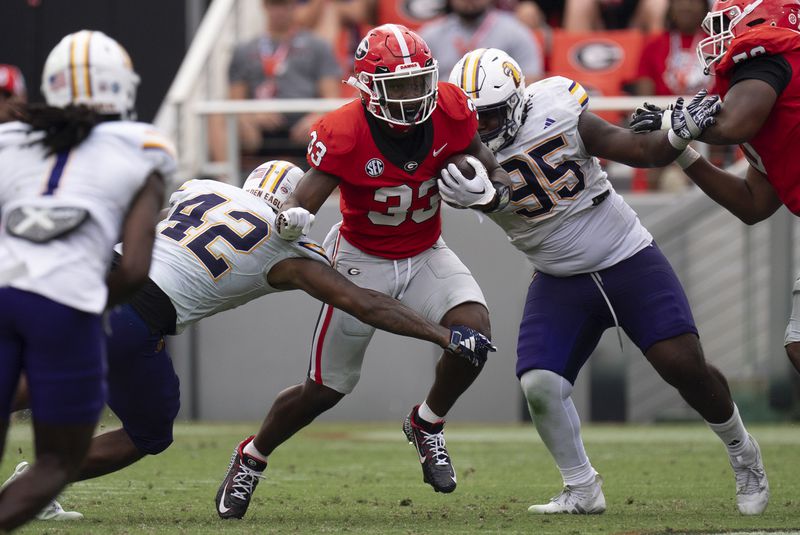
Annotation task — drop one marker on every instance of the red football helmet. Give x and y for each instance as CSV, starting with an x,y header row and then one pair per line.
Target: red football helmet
x,y
732,18
396,74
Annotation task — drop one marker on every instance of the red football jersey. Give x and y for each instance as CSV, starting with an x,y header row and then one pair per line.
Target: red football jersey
x,y
390,208
771,151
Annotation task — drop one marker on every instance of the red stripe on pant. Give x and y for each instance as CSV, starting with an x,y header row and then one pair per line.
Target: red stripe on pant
x,y
318,356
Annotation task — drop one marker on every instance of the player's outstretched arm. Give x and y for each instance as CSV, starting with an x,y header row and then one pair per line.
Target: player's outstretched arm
x,y
751,199
605,140
379,310
747,106
138,235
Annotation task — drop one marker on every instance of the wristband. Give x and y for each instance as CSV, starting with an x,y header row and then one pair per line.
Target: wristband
x,y
677,142
687,157
502,197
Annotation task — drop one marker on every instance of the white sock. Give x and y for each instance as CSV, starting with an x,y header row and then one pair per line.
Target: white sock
x,y
733,434
558,424
251,450
428,415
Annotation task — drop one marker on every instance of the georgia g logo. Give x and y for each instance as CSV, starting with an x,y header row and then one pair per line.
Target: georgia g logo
x,y
510,70
363,48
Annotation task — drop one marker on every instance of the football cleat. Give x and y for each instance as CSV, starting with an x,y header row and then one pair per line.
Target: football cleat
x,y
752,487
53,510
244,471
437,470
576,500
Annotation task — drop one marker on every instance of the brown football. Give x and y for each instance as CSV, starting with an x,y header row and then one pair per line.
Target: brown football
x,y
460,161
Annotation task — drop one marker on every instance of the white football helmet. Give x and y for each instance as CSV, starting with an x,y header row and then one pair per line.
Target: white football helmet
x,y
90,68
273,181
495,83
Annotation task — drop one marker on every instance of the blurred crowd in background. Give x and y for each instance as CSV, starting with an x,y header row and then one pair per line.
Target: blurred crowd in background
x,y
306,49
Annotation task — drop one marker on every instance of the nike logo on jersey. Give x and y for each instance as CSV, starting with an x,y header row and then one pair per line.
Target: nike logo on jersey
x,y
548,122
436,152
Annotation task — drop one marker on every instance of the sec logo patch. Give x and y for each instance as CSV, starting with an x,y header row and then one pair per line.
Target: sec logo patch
x,y
374,167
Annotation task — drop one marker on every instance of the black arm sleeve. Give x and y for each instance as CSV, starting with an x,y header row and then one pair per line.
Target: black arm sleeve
x,y
774,70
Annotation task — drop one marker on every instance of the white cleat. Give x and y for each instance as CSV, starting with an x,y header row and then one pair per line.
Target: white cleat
x,y
576,500
53,510
752,487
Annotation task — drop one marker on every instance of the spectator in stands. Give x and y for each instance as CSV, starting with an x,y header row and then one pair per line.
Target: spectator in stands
x,y
477,24
592,15
540,14
341,23
12,92
284,62
668,65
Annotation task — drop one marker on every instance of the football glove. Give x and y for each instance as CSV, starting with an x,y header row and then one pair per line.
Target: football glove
x,y
293,223
469,344
689,122
458,190
648,118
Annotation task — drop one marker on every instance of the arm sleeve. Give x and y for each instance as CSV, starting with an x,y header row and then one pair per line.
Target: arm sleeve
x,y
774,70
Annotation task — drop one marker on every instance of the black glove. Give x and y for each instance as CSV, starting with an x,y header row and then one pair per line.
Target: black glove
x,y
648,118
468,343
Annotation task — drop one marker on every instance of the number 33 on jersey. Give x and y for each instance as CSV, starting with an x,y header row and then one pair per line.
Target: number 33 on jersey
x,y
389,200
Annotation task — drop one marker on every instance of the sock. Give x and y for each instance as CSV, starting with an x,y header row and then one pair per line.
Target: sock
x,y
579,475
556,420
427,415
251,450
733,434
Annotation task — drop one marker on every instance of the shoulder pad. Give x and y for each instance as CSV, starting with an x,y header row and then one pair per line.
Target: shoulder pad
x,y
558,87
454,102
13,133
337,129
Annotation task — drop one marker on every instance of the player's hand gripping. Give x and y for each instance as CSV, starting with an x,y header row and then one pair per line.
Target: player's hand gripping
x,y
686,123
649,117
293,223
468,343
458,190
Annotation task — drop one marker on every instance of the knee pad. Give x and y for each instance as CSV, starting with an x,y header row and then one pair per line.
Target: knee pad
x,y
541,387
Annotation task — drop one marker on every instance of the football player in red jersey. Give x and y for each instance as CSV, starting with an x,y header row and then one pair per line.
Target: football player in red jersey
x,y
385,152
753,48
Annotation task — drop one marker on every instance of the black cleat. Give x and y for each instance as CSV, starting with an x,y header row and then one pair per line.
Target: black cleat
x,y
237,488
437,470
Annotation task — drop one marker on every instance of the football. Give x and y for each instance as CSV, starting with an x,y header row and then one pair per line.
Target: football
x,y
460,161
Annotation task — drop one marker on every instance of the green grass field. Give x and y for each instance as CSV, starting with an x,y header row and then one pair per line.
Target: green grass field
x,y
364,478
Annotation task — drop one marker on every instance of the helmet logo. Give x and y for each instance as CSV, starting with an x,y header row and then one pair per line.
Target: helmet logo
x,y
510,70
374,167
363,48
792,19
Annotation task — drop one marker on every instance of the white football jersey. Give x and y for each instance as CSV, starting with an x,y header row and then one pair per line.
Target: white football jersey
x,y
101,176
215,249
564,214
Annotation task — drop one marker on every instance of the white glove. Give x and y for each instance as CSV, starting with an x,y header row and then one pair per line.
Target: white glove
x,y
458,190
689,121
293,222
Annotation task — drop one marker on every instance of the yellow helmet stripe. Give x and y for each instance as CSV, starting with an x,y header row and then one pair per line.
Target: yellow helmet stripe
x,y
266,176
477,66
281,174
87,79
72,69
